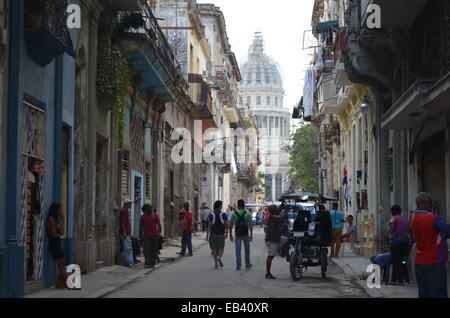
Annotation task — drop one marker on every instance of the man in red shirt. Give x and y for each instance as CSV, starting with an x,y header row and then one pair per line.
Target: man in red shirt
x,y
430,233
186,239
150,228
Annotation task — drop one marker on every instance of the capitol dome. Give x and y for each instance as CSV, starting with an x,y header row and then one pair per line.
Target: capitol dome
x,y
260,71
261,90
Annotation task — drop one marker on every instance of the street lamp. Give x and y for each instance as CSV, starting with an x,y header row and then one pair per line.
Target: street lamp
x,y
365,104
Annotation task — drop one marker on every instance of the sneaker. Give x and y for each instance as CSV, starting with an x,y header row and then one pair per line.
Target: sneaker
x,y
270,276
238,267
248,266
190,254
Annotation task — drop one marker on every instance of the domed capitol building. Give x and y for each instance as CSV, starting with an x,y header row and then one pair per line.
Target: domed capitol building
x,y
261,90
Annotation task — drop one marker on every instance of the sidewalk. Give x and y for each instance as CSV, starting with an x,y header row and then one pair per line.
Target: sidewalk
x,y
106,280
354,265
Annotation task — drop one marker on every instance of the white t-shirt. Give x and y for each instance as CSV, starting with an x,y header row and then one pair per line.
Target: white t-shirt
x,y
205,214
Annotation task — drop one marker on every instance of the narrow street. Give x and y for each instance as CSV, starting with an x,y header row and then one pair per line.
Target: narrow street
x,y
195,277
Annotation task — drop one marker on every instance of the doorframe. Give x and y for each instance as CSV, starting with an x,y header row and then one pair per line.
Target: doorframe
x,y
134,175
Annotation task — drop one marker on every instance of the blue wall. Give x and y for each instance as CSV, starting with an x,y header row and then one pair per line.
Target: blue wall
x,y
52,88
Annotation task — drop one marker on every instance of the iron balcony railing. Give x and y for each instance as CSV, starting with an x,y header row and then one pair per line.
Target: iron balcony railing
x,y
155,36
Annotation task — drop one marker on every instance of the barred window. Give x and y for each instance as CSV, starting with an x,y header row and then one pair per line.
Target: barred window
x,y
148,180
125,171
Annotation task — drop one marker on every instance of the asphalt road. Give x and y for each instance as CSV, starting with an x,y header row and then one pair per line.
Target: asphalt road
x,y
195,277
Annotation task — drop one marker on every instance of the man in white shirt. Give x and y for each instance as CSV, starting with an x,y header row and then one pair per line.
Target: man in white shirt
x,y
205,213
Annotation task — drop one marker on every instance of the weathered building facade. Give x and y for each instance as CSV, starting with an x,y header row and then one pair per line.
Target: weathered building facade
x,y
382,108
37,141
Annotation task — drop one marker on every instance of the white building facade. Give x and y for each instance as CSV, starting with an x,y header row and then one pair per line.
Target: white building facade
x,y
262,90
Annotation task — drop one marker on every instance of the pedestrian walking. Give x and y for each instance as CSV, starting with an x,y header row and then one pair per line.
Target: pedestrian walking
x,y
400,244
186,221
275,238
430,233
218,229
55,230
150,229
241,221
125,233
337,220
205,214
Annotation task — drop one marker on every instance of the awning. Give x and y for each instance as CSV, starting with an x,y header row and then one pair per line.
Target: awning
x,y
409,111
327,25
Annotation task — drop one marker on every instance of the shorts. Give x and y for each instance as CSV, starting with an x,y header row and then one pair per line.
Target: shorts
x,y
217,241
273,247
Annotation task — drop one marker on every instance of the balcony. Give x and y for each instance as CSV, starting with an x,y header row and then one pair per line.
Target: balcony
x,y
200,94
46,30
231,114
327,95
146,46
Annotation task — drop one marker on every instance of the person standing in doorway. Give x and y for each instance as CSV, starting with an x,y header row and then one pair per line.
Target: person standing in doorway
x,y
430,233
337,220
150,229
400,244
125,233
186,221
218,229
54,232
241,220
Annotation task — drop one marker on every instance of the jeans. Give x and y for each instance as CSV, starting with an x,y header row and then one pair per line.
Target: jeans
x,y
432,280
238,245
186,240
399,253
127,249
384,261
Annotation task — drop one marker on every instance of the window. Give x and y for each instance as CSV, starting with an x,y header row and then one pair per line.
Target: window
x,y
278,186
258,100
241,102
268,100
249,78
276,121
276,101
249,100
281,127
258,74
148,181
270,125
125,171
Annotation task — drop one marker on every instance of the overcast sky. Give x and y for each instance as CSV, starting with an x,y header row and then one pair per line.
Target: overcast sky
x,y
282,24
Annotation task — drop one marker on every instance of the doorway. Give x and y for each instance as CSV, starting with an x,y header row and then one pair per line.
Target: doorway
x,y
137,187
434,173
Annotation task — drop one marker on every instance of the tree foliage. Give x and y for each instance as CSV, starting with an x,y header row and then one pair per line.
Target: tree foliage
x,y
303,171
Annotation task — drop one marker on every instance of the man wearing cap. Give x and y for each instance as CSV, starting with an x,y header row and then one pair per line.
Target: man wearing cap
x,y
125,233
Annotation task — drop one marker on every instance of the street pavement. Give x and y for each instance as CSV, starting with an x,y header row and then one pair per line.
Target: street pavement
x,y
195,277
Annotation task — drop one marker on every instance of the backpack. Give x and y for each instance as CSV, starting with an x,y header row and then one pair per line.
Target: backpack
x,y
241,225
218,224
